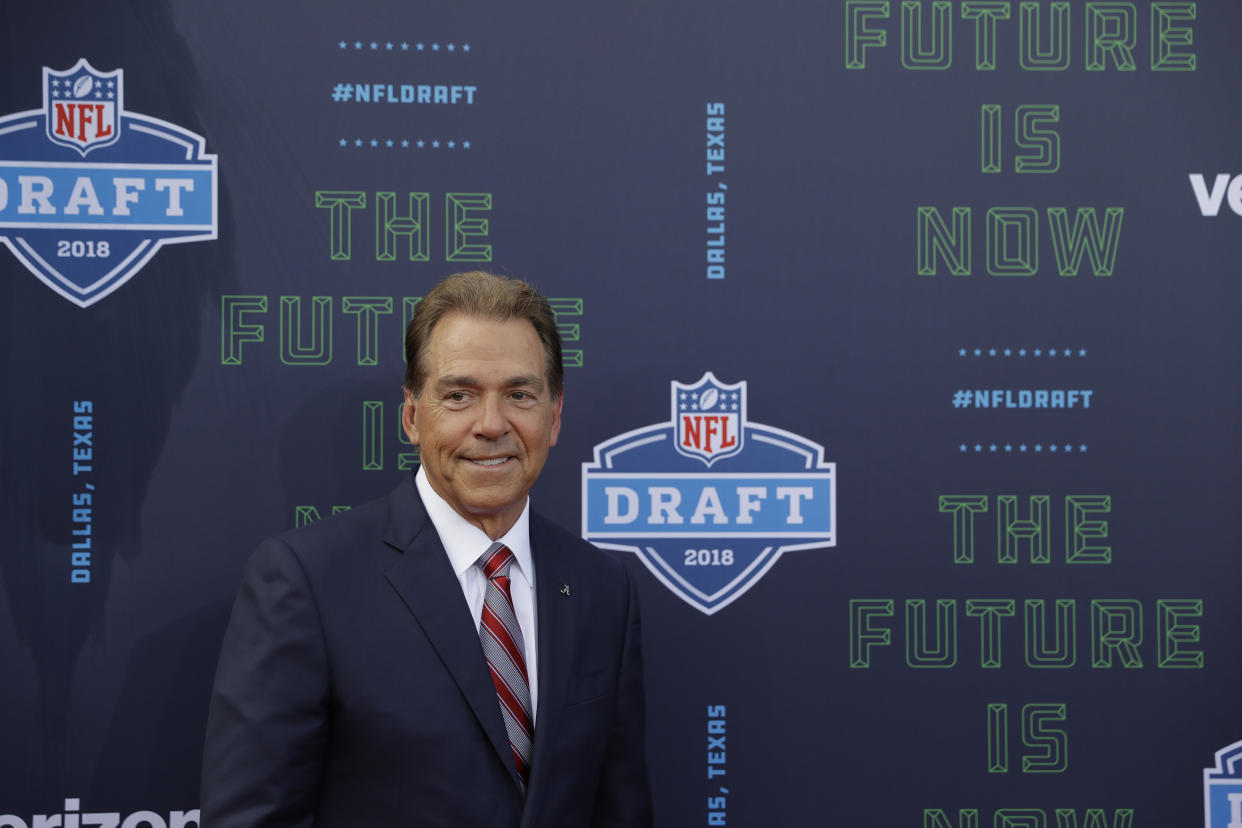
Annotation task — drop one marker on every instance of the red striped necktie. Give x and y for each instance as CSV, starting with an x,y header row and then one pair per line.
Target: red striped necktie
x,y
506,656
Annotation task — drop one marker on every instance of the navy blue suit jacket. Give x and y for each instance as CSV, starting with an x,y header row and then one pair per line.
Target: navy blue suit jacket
x,y
352,689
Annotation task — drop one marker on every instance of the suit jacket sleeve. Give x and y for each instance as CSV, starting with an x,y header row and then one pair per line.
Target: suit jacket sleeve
x,y
266,727
623,799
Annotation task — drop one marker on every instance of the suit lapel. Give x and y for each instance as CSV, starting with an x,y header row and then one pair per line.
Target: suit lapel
x,y
558,627
425,580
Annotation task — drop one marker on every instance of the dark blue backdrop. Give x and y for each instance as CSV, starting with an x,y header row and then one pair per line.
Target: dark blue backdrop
x,y
224,410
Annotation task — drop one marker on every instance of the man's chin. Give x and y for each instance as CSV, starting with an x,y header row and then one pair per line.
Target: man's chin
x,y
495,499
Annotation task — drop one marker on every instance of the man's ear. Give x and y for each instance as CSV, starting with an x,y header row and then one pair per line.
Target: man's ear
x,y
556,420
408,410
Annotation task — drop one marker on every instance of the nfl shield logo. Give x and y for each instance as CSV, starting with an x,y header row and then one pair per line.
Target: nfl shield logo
x,y
710,418
82,105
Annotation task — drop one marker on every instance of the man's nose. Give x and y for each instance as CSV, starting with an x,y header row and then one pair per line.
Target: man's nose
x,y
491,423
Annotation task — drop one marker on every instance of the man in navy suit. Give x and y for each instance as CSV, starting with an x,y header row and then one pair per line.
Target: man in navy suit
x,y
361,681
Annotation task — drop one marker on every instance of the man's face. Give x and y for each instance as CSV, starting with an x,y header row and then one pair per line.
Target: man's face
x,y
485,417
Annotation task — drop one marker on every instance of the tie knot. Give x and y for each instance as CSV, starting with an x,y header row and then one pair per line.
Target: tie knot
x,y
496,561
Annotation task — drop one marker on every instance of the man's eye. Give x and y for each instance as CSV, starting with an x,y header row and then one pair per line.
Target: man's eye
x,y
456,396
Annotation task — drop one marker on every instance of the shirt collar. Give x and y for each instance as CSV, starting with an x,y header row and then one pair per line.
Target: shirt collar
x,y
463,541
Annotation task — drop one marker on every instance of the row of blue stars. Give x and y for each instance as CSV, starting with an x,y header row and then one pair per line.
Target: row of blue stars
x,y
404,143
72,81
404,46
723,406
1023,448
1008,352
693,405
56,93
68,91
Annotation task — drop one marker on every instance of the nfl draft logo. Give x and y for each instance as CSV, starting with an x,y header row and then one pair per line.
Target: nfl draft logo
x,y
709,500
1222,789
85,227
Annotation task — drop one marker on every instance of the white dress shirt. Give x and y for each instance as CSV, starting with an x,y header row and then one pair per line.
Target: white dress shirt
x,y
465,543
